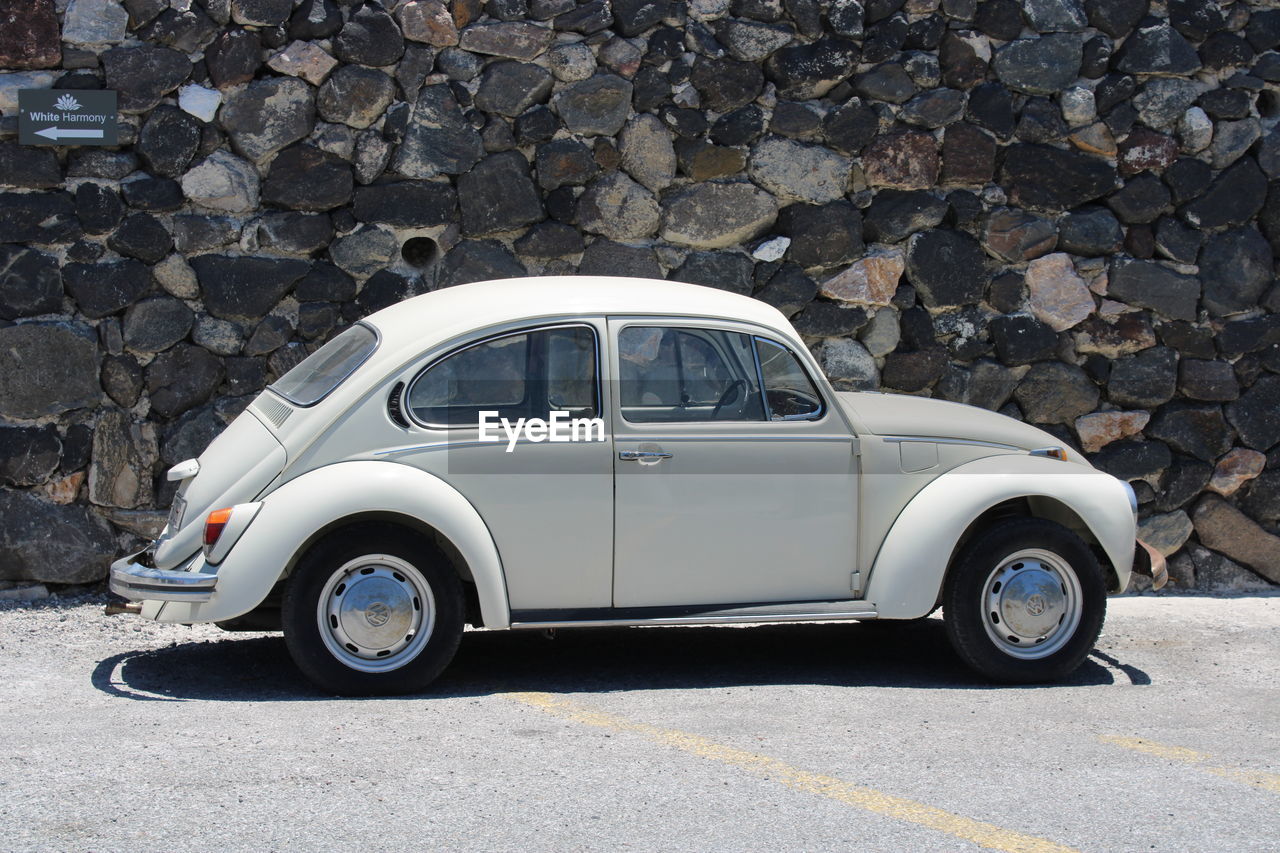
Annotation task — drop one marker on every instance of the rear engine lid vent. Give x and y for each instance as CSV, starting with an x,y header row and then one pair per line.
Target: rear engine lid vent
x,y
273,409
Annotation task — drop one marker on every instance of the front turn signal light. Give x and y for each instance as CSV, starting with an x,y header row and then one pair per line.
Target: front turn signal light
x,y
1059,453
214,524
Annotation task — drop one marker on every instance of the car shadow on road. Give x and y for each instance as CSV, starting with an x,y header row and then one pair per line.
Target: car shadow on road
x,y
905,655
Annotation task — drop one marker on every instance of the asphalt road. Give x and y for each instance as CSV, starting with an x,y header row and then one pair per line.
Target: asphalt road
x,y
123,735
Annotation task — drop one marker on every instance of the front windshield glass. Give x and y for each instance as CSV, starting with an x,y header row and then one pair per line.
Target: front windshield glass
x,y
322,371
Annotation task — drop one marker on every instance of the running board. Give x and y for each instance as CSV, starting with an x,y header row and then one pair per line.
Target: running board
x,y
609,617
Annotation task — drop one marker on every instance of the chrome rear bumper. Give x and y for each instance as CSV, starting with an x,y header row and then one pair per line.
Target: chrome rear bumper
x,y
136,582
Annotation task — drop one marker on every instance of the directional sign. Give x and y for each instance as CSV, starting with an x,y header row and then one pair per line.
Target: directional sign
x,y
67,117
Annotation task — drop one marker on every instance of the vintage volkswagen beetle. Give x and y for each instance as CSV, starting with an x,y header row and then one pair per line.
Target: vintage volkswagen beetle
x,y
372,501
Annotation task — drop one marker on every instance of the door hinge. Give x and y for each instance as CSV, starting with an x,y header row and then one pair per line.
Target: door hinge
x,y
855,583
856,447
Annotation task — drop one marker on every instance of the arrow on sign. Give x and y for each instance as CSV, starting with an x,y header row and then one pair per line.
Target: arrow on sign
x,y
68,133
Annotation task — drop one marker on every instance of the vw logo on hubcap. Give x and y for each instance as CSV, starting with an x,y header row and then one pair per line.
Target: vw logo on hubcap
x,y
377,614
1036,605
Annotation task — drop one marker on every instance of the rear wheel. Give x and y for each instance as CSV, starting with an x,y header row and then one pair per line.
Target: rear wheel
x,y
1025,601
373,617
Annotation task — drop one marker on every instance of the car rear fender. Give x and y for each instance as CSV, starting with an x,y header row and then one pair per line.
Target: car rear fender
x,y
907,575
293,515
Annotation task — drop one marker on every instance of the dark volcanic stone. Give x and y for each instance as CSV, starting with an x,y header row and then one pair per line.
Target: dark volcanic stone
x,y
1251,335
103,289
143,75
1039,176
1116,18
1000,19
549,240
1184,480
991,106
590,17
370,37
729,271
297,233
1195,429
1146,150
1232,199
1177,241
726,84
962,68
1236,268
29,38
1095,57
98,208
889,82
565,162
439,140
28,455
1254,414
268,115
260,13
41,541
828,320
1055,393
822,235
795,121
1039,66
498,195
233,58
509,88
1022,339
315,19
633,17
37,218
1041,121
383,289
142,236
1226,103
407,204
595,107
168,141
187,31
356,96
536,125
1188,339
478,260
32,168
147,193
1262,498
1141,200
182,377
1214,381
100,163
1133,460
1150,285
1144,380
1157,48
1188,178
847,129
947,268
325,282
968,155
47,369
894,215
811,70
306,178
30,283
245,289
789,289
913,371
605,257
193,232
743,126
1112,91
1090,231
153,325
1008,292
1224,50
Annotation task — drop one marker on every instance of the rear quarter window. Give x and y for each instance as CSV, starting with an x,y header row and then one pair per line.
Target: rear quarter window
x,y
318,374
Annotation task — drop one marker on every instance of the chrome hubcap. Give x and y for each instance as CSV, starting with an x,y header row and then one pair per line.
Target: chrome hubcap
x,y
1031,604
376,613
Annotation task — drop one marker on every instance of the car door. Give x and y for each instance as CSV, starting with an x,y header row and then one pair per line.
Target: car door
x,y
547,503
724,494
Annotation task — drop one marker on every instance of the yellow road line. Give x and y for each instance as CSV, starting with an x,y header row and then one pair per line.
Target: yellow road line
x,y
900,808
1257,778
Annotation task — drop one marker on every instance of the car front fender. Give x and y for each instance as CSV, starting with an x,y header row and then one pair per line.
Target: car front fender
x,y
909,569
293,513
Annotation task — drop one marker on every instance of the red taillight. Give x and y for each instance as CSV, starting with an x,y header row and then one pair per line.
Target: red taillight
x,y
214,525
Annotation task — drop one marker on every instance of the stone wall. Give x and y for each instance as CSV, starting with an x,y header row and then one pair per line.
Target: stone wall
x,y
1060,209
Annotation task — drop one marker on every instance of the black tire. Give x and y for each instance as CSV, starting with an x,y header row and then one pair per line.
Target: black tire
x,y
381,594
1002,594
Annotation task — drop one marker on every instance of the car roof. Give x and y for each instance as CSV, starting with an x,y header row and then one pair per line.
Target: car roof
x,y
447,313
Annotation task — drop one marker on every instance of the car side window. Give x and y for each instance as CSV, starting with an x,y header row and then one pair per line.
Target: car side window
x,y
522,375
676,374
789,393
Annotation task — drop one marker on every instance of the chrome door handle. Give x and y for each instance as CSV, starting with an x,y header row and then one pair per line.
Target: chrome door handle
x,y
637,455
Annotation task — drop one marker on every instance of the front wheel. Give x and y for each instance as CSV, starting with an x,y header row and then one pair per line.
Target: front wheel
x,y
1025,601
373,617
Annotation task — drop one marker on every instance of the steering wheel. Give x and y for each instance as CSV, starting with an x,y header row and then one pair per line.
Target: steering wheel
x,y
730,394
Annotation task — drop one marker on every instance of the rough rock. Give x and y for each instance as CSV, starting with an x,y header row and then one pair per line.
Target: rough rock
x,y
305,60
729,271
947,268
789,290
1039,66
1192,428
182,377
498,195
873,280
47,369
1099,429
1235,469
141,236
124,453
369,37
1151,285
1232,199
105,288
30,39
156,324
438,140
1254,414
1015,235
305,178
428,22
903,160
1162,101
1224,528
222,182
1133,460
479,260
28,455
1166,533
1157,48
355,96
267,116
143,75
260,13
968,155
365,250
811,70
849,365
509,88
647,152
1235,269
45,542
245,289
406,204
94,22
716,215
1057,294
1043,177
618,208
825,320
233,58
822,235
1055,393
510,39
1144,380
594,107
30,283
895,215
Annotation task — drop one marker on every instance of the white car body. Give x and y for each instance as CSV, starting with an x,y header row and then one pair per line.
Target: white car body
x,y
855,514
